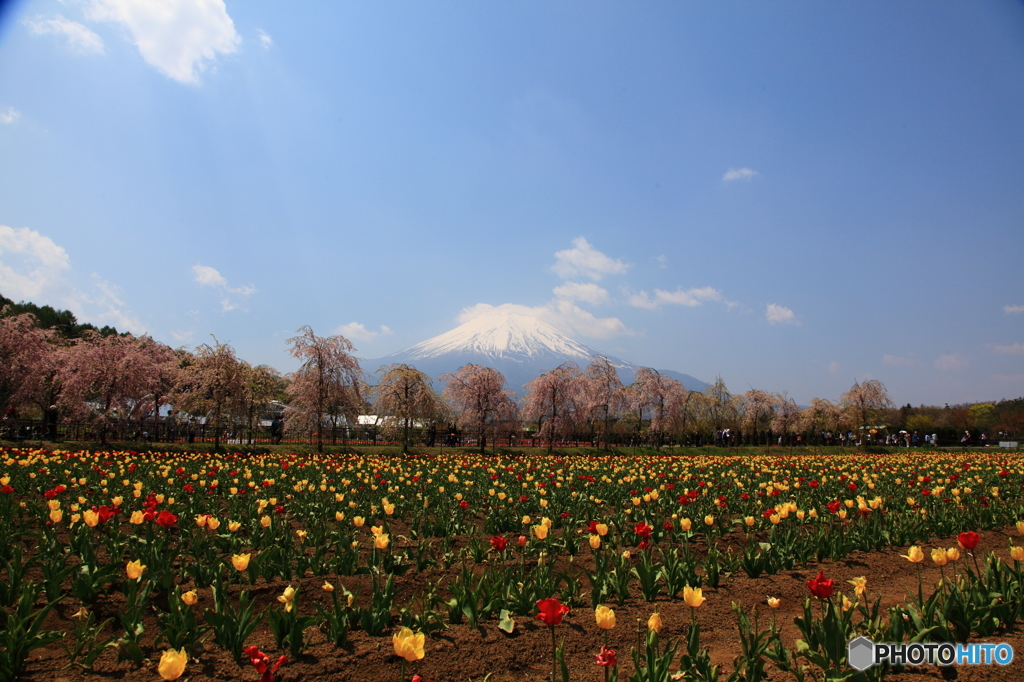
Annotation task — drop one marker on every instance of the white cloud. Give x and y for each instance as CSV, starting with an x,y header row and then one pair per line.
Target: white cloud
x,y
898,361
31,265
178,37
739,174
1013,309
563,315
358,332
266,42
834,367
208,276
34,268
951,361
182,336
79,37
211,277
1014,349
10,117
688,297
585,261
780,314
661,260
577,291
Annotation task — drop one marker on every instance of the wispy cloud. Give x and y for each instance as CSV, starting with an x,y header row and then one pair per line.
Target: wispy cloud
x,y
79,37
734,174
951,361
180,38
834,367
780,314
1013,349
563,315
583,260
35,268
686,297
1013,309
10,117
211,277
582,291
899,361
266,42
358,332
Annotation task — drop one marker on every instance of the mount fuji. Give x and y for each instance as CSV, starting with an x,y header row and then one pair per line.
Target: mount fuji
x,y
519,346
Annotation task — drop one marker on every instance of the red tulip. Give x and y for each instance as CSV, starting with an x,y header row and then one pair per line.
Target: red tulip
x,y
834,506
551,610
499,543
642,529
606,658
261,662
820,587
166,519
968,540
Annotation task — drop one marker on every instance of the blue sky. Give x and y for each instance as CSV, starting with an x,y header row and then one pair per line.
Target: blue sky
x,y
789,195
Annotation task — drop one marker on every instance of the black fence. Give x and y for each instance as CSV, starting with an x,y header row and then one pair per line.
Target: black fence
x,y
169,431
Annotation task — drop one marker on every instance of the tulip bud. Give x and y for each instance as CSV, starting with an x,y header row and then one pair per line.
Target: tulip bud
x,y
605,617
654,623
190,597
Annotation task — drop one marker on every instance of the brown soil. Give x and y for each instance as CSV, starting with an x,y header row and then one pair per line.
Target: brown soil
x,y
462,654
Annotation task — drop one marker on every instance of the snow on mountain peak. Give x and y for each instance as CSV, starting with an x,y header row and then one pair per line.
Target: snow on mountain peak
x,y
501,334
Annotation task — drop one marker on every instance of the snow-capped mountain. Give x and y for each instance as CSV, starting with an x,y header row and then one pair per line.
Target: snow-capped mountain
x,y
519,346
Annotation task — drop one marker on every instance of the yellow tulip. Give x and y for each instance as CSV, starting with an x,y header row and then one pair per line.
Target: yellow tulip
x,y
135,569
233,526
56,515
953,554
685,525
137,517
605,617
265,521
595,542
240,561
327,587
654,623
939,557
775,519
287,598
914,555
1017,553
541,531
774,602
408,645
546,522
527,520
381,541
750,521
389,509
376,530
693,597
1020,527
172,664
358,521
90,518
202,519
190,597
602,529
860,585
54,505
339,516
213,523
709,520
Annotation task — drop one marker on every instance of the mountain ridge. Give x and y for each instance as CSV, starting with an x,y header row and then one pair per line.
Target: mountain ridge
x,y
521,347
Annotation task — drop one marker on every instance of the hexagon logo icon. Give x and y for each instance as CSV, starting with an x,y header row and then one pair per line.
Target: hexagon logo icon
x,y
860,653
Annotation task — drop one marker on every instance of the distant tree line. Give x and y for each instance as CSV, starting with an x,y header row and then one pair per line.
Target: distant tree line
x,y
55,370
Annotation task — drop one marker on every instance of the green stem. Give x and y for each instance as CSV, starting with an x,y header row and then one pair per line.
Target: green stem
x,y
554,656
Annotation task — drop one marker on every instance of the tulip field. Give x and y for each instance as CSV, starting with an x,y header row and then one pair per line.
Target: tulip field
x,y
149,566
